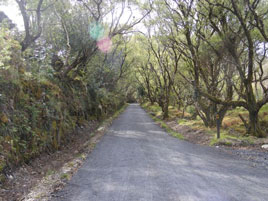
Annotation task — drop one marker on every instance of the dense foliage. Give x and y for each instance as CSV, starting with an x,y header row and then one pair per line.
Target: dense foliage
x,y
210,56
67,67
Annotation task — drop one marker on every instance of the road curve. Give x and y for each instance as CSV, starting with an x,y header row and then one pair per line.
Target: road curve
x,y
137,161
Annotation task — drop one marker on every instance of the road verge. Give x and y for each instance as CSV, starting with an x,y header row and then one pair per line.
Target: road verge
x,y
50,172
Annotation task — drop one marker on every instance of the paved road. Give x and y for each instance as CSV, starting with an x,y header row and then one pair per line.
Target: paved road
x,y
137,161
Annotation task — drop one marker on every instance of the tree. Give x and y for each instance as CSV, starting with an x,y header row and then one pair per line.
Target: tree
x,y
159,72
203,64
247,49
32,21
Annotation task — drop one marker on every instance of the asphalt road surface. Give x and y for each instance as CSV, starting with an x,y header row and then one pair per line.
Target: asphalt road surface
x,y
137,161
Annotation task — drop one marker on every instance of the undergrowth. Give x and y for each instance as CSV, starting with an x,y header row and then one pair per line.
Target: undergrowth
x,y
232,131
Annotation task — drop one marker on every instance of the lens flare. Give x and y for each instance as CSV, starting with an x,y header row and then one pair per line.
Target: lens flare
x,y
105,44
96,31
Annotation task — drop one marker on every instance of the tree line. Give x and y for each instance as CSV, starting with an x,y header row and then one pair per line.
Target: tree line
x,y
210,54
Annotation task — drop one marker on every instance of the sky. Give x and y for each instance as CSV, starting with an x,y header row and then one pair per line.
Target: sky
x,y
12,11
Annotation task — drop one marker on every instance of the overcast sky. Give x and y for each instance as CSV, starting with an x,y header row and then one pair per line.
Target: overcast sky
x,y
12,11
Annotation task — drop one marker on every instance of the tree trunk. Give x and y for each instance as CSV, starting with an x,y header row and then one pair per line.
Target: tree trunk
x,y
165,108
222,113
150,98
207,114
194,115
151,101
165,115
254,124
254,127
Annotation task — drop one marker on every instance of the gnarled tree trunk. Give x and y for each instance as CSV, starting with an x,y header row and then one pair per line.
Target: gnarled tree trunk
x,y
254,124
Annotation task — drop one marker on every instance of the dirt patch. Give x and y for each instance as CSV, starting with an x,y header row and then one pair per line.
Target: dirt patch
x,y
190,134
